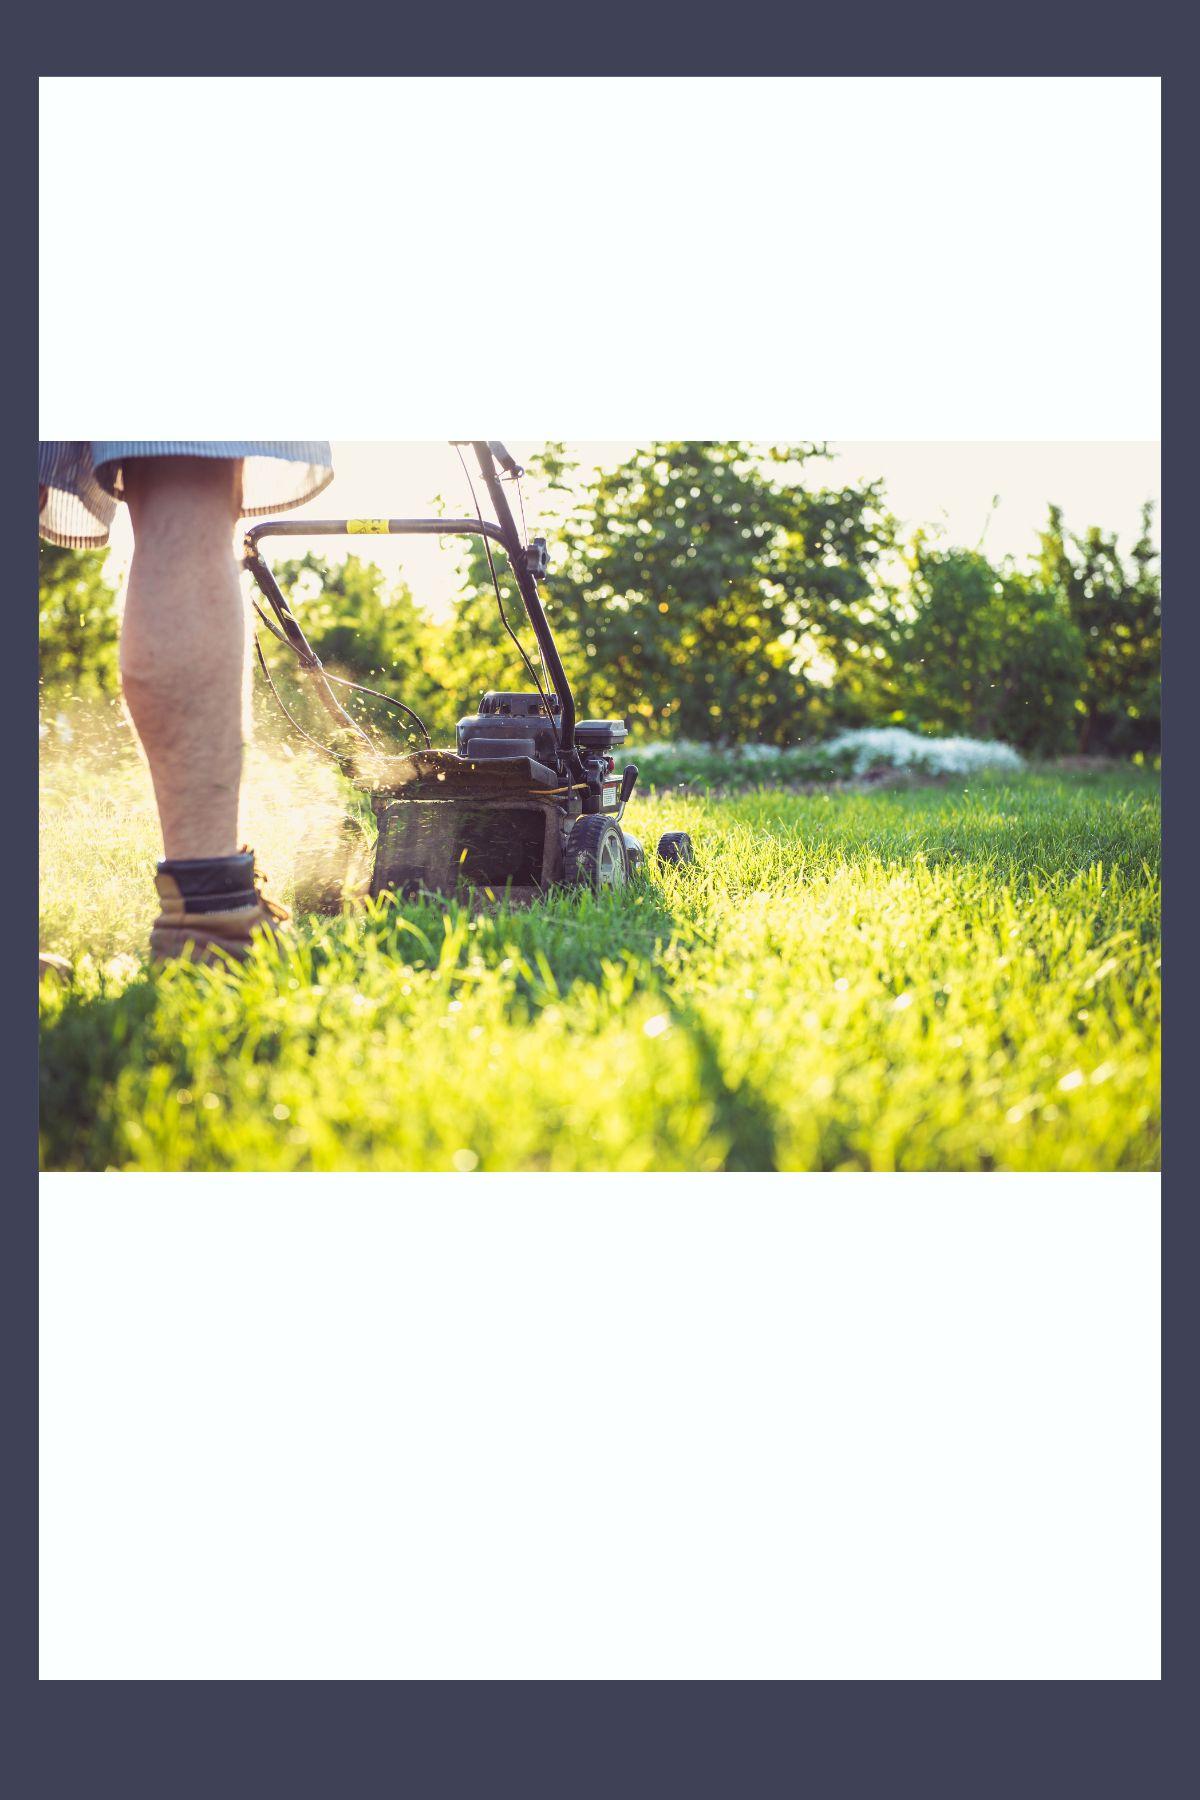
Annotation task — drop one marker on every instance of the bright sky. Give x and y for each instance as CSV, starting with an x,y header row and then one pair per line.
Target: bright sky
x,y
946,486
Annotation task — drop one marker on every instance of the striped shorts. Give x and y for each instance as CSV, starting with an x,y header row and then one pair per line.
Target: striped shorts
x,y
80,484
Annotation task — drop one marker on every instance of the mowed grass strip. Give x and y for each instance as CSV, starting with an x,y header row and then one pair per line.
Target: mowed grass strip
x,y
961,977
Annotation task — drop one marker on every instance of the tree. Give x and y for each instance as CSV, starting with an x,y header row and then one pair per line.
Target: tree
x,y
77,624
706,591
987,652
1118,611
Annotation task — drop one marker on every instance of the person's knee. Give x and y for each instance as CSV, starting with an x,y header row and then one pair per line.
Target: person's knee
x,y
197,497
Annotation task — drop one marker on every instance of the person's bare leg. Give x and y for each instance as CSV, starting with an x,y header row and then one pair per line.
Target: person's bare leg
x,y
183,646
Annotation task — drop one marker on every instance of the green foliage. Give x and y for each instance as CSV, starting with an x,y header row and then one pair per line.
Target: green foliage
x,y
717,593
713,593
987,653
1118,612
907,980
475,652
77,625
364,632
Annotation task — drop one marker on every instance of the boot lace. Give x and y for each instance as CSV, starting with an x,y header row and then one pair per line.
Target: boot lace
x,y
272,908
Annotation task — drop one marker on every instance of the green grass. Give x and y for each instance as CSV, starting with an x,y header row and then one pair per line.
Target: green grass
x,y
961,977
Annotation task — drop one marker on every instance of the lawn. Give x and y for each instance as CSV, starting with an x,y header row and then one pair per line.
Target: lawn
x,y
962,976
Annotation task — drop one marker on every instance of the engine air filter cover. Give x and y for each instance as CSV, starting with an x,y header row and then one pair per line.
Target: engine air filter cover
x,y
600,734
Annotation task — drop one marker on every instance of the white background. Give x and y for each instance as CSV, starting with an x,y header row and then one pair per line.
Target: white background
x,y
786,258
842,1426
725,1426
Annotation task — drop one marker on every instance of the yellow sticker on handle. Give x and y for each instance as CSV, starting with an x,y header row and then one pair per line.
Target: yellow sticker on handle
x,y
378,526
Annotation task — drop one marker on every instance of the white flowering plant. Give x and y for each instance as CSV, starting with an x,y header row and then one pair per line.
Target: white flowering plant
x,y
849,755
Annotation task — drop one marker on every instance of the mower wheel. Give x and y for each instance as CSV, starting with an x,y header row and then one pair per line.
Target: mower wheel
x,y
675,847
595,855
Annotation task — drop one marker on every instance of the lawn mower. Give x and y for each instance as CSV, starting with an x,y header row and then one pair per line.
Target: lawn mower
x,y
530,797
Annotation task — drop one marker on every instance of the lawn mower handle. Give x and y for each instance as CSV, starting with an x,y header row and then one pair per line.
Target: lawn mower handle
x,y
504,533
527,582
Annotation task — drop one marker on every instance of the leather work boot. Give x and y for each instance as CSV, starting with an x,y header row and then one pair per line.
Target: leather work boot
x,y
212,908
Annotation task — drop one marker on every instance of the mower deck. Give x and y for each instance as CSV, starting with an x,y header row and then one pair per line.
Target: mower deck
x,y
446,822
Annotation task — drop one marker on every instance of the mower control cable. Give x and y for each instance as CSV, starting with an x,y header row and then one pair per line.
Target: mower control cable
x,y
293,722
343,681
509,464
310,661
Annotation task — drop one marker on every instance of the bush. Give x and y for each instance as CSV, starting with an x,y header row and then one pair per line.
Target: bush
x,y
986,652
890,747
77,625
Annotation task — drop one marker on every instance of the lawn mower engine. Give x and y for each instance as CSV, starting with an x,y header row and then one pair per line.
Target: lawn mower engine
x,y
496,813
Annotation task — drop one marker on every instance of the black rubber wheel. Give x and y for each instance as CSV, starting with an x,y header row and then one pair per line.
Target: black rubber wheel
x,y
675,847
595,855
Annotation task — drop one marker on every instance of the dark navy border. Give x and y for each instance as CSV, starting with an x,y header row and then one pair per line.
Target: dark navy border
x,y
221,1739
544,37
